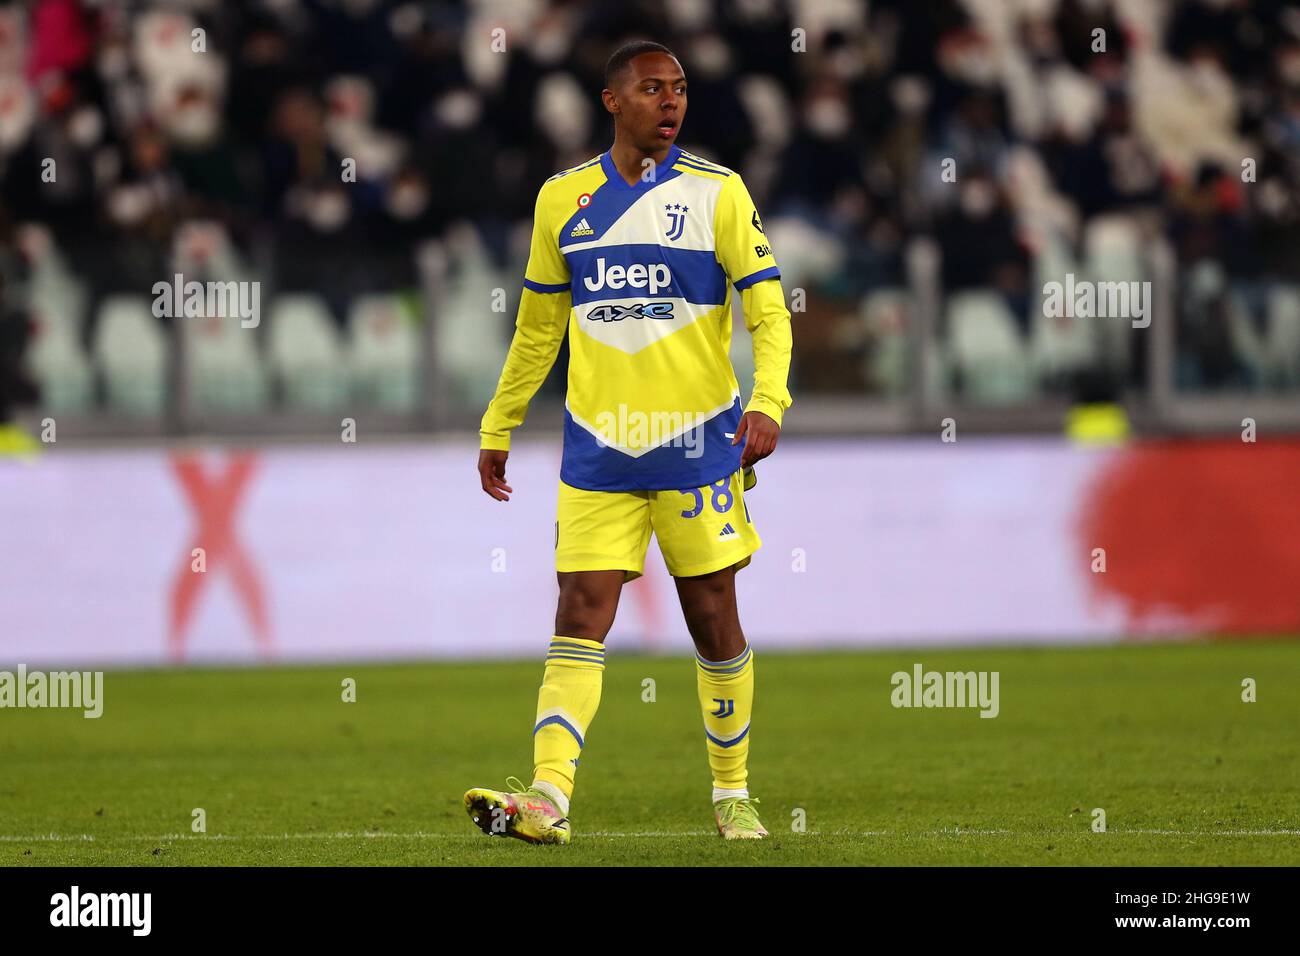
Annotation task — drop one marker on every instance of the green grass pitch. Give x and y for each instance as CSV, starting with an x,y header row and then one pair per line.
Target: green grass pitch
x,y
287,773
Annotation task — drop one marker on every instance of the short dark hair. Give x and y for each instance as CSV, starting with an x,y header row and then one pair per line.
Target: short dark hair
x,y
627,53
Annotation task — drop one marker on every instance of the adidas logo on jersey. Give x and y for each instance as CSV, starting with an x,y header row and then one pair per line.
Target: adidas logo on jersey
x,y
727,531
583,228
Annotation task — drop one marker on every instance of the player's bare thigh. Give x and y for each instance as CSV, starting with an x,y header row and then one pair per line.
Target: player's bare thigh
x,y
588,602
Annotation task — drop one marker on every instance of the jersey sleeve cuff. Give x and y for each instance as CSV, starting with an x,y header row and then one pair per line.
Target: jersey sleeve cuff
x,y
768,407
772,272
546,287
493,442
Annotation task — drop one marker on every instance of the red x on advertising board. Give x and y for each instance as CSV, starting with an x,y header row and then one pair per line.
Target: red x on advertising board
x,y
215,498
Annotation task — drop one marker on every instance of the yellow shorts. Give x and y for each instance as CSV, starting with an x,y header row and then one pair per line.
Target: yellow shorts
x,y
699,530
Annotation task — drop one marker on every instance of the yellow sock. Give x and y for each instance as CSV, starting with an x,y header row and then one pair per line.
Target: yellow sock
x,y
727,699
566,705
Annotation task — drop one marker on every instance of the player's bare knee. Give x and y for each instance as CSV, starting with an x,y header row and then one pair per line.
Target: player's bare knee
x,y
584,611
588,623
589,627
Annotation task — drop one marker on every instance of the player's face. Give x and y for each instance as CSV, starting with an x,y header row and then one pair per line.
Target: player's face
x,y
651,100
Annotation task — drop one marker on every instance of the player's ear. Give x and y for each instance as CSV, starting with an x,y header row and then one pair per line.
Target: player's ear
x,y
611,101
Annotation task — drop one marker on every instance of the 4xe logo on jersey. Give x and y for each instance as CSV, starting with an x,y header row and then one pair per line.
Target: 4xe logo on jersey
x,y
652,278
637,310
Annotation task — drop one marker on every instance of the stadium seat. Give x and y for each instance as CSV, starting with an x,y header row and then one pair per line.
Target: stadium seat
x,y
1283,343
1207,298
54,293
986,351
885,316
1248,345
1113,253
57,307
385,351
225,369
470,345
130,349
1059,346
60,368
226,372
305,353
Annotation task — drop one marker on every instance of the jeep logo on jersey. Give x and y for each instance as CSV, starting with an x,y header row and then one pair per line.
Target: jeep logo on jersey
x,y
639,310
636,276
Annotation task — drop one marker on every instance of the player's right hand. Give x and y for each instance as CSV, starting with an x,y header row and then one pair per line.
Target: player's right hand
x,y
492,473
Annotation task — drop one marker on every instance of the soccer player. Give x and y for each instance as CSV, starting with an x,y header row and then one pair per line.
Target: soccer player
x,y
634,254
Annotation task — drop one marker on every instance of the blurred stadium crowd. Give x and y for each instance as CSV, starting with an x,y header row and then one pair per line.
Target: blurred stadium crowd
x,y
1019,139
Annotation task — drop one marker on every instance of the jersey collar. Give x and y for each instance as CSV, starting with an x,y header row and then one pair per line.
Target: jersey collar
x,y
616,178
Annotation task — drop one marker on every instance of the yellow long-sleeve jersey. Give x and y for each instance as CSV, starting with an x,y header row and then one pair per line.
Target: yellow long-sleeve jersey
x,y
640,277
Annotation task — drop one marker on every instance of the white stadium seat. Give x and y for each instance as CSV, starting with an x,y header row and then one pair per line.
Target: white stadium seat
x,y
225,370
985,348
385,351
130,349
60,368
885,316
305,353
471,335
1283,342
1059,346
1113,253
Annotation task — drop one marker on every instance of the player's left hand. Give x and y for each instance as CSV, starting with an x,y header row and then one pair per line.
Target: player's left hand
x,y
760,434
